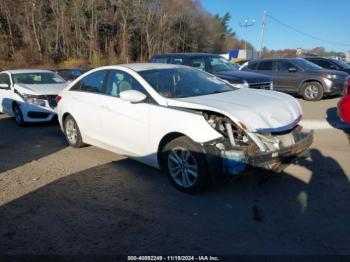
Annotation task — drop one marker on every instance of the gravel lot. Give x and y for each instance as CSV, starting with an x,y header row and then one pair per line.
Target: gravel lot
x,y
58,200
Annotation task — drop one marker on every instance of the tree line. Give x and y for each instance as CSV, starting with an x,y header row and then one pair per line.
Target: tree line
x,y
108,31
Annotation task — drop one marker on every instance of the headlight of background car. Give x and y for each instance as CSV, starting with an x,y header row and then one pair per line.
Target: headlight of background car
x,y
271,86
32,99
329,76
240,85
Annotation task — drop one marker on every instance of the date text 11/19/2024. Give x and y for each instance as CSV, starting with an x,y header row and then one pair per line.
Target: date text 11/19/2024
x,y
173,258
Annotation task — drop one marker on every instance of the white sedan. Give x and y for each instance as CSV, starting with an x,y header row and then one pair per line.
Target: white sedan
x,y
30,95
185,121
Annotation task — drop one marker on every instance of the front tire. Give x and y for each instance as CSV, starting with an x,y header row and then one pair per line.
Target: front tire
x,y
17,112
185,165
312,91
72,132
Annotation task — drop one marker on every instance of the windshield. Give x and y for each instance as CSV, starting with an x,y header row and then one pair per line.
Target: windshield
x,y
37,78
220,64
341,64
184,82
306,65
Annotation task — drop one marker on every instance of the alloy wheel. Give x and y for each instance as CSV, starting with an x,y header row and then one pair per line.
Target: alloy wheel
x,y
71,131
183,167
311,91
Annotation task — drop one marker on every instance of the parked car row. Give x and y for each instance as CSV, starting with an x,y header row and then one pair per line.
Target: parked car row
x,y
217,66
196,125
299,76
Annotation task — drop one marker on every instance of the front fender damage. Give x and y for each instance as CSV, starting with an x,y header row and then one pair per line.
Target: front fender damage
x,y
240,150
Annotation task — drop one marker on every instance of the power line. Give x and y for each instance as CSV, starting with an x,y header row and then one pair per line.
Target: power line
x,y
305,34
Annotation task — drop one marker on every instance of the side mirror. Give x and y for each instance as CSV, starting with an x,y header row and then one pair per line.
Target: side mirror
x,y
4,86
132,96
292,70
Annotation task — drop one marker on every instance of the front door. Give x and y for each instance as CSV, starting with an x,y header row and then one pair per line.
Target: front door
x,y
125,124
288,77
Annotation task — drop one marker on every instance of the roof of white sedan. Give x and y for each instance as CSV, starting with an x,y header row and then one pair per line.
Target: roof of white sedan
x,y
149,66
23,71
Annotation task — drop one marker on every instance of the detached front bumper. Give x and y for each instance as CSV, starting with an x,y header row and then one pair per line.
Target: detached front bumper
x,y
236,162
276,160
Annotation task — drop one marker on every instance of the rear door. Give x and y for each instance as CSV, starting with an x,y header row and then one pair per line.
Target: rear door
x,y
288,76
88,96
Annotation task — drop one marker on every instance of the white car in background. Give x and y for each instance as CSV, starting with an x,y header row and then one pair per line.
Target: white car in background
x,y
183,120
30,95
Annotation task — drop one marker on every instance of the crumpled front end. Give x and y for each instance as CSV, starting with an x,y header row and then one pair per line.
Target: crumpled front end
x,y
240,149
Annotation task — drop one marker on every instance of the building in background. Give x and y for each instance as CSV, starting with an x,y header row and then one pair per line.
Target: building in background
x,y
347,56
237,55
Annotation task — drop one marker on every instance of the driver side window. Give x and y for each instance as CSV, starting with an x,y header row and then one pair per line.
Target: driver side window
x,y
119,81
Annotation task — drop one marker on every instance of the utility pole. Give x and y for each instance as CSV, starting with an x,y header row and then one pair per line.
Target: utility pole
x,y
247,23
262,34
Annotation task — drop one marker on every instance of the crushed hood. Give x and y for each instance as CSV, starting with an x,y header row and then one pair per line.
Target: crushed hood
x,y
41,89
258,110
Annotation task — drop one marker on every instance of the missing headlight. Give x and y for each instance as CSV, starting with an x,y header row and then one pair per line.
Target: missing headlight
x,y
227,128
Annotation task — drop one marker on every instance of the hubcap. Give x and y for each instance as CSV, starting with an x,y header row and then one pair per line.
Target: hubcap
x,y
183,167
311,91
71,132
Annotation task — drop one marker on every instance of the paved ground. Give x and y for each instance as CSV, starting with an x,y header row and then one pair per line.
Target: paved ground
x,y
59,200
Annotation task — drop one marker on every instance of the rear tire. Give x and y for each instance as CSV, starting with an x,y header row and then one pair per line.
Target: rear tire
x,y
17,112
312,91
72,132
185,164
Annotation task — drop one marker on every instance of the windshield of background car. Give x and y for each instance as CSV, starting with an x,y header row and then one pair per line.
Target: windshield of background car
x,y
341,64
184,82
306,65
220,64
37,78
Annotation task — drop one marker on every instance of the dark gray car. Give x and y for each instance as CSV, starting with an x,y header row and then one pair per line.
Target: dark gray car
x,y
299,76
330,63
217,66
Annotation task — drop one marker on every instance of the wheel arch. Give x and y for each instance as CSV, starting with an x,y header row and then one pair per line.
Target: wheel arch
x,y
308,81
165,140
64,116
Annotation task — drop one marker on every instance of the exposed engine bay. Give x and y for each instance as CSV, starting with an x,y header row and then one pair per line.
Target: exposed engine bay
x,y
240,148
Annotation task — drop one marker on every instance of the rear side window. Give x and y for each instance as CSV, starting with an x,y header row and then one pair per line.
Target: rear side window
x,y
265,65
198,62
252,66
284,66
161,60
91,83
177,60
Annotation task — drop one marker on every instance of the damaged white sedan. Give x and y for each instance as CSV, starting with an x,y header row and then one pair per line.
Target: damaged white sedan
x,y
191,124
29,95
